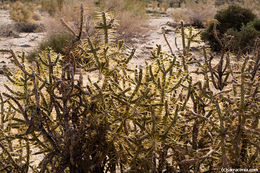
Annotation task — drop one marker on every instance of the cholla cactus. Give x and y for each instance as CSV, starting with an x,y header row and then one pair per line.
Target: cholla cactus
x,y
155,118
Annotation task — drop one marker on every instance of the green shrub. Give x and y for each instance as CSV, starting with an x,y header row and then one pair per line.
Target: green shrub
x,y
244,40
56,42
256,24
233,17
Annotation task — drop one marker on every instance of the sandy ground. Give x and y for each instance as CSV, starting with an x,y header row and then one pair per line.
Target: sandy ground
x,y
22,41
19,42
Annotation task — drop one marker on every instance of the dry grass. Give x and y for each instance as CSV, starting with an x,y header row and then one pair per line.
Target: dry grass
x,y
22,13
4,5
196,13
180,14
253,5
8,31
28,27
131,16
25,17
51,6
164,6
153,4
70,11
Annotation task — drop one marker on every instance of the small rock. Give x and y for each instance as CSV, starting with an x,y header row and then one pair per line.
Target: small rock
x,y
149,47
24,45
166,30
172,24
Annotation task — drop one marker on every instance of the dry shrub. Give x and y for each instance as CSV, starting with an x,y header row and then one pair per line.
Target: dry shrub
x,y
52,25
22,13
4,5
12,30
129,26
180,14
153,4
28,27
253,5
196,13
8,31
69,12
36,17
131,16
164,6
25,17
50,6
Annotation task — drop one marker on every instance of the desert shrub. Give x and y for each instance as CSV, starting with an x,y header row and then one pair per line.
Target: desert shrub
x,y
197,14
255,24
253,5
28,27
156,118
51,6
57,42
131,16
245,39
8,31
36,17
180,14
22,13
232,17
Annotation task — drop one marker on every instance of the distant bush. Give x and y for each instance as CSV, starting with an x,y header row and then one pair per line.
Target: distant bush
x,y
244,40
231,18
57,42
131,16
28,27
51,6
22,13
197,14
253,5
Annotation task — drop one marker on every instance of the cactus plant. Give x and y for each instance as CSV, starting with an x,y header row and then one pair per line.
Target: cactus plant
x,y
155,118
